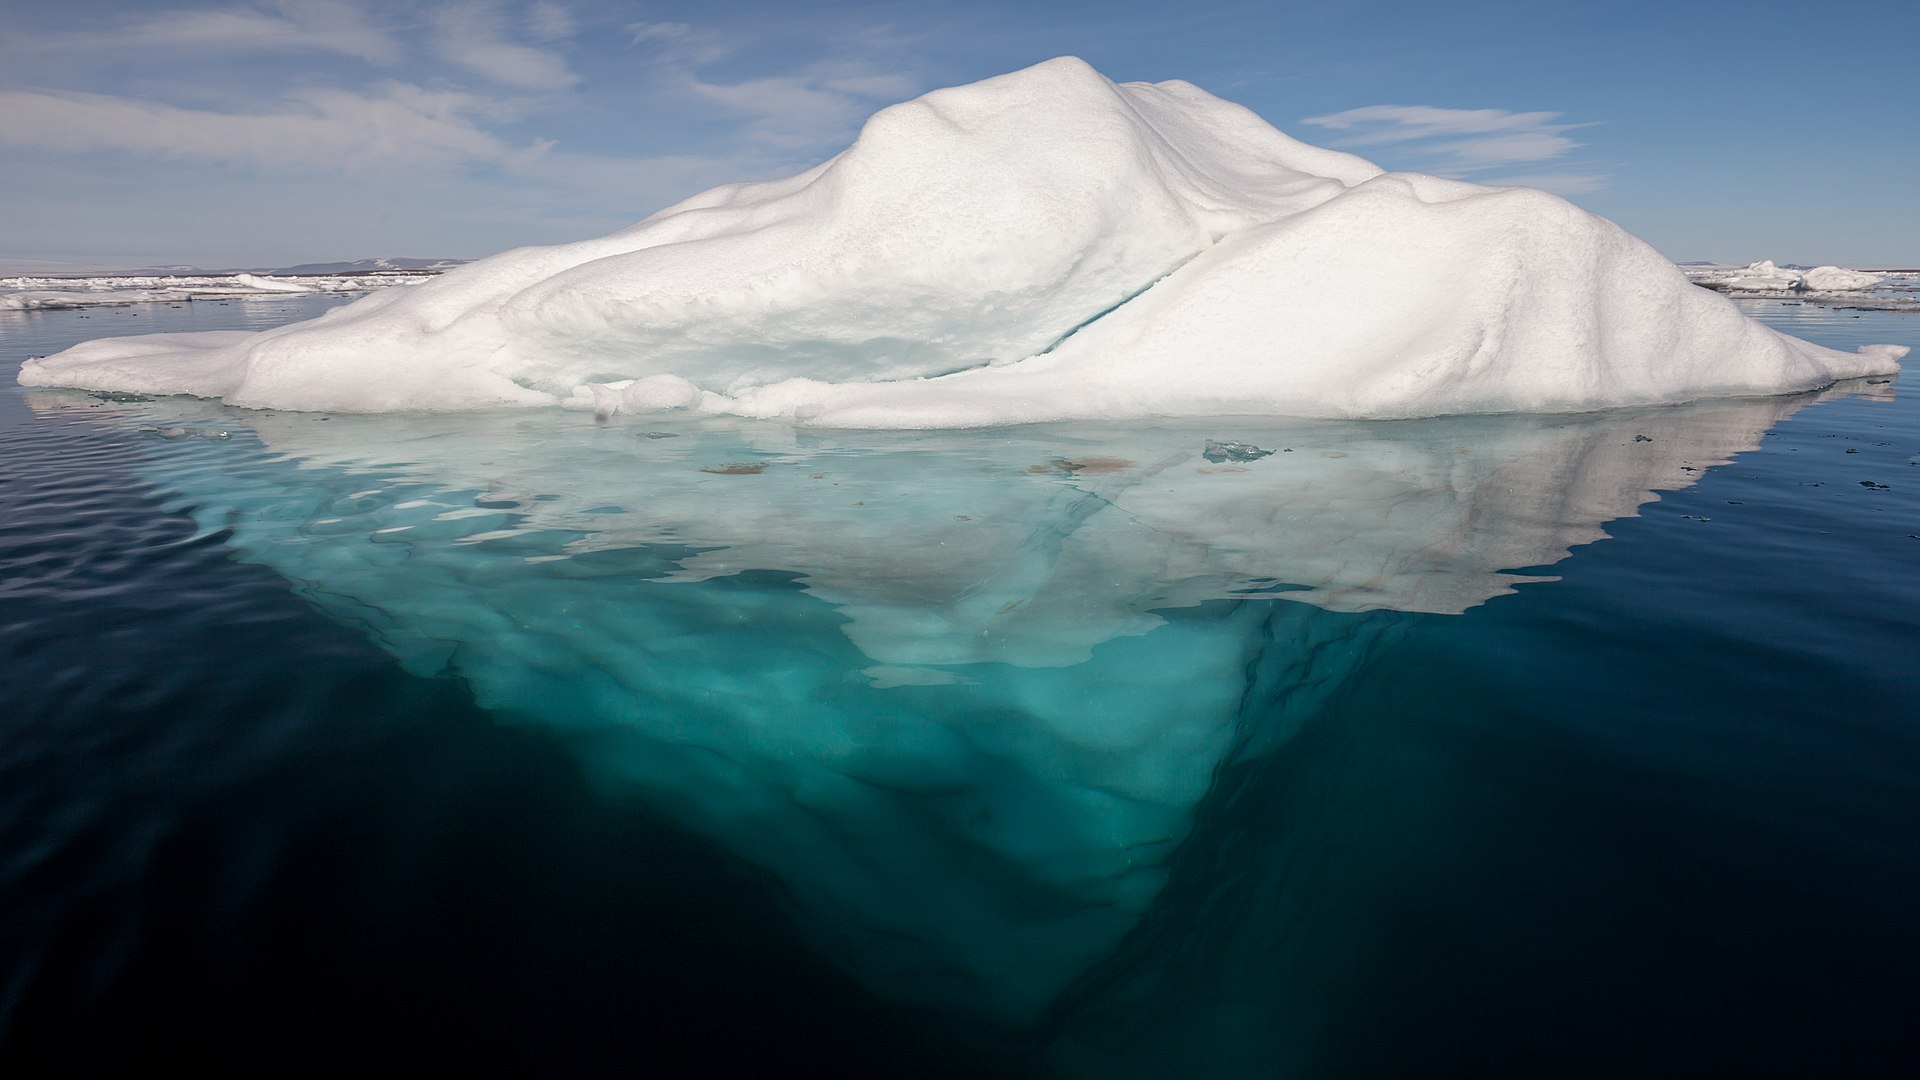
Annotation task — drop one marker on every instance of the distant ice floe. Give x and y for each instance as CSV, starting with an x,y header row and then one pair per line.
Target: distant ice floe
x,y
30,293
1044,245
1764,276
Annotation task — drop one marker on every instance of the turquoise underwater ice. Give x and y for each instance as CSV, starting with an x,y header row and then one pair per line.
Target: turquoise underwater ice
x,y
959,692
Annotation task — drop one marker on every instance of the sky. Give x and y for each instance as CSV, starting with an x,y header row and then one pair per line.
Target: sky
x,y
260,133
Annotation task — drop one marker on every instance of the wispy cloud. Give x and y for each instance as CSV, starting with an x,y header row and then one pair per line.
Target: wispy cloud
x,y
818,103
1462,142
328,130
548,21
273,100
473,36
1568,184
327,26
1393,123
802,110
680,43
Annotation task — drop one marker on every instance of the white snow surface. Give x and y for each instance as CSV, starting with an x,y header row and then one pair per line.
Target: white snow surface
x,y
1042,245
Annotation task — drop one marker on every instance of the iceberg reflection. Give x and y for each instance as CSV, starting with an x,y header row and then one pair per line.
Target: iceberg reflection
x,y
960,691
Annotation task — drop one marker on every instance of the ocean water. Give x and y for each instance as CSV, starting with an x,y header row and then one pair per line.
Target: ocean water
x,y
521,744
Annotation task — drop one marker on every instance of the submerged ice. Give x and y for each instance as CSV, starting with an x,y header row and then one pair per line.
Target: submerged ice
x,y
1043,245
960,691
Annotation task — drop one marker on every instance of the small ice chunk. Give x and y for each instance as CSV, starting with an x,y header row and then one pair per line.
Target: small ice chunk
x,y
606,400
1218,452
657,393
253,281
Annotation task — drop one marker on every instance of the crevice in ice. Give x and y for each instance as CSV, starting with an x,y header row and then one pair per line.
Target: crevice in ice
x,y
1116,306
969,365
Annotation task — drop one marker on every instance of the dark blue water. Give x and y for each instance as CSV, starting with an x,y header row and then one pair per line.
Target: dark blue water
x,y
523,745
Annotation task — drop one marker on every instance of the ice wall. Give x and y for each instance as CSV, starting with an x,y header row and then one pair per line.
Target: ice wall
x,y
1042,245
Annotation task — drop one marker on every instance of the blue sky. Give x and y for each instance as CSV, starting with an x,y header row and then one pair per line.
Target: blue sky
x,y
270,132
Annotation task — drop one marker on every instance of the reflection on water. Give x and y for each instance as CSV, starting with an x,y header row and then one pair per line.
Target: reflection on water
x,y
960,691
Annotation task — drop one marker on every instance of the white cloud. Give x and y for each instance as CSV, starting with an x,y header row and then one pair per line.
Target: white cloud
x,y
1456,142
1559,183
334,26
327,130
1392,123
818,105
798,111
471,36
1474,155
680,43
549,22
641,33
629,188
855,81
193,95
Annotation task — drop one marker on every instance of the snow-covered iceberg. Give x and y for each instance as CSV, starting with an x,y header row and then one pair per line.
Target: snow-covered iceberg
x,y
1042,245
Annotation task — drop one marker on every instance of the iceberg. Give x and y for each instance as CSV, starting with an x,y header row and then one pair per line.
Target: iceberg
x,y
1043,245
1835,279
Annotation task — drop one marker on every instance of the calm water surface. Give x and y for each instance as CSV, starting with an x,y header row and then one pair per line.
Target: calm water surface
x,y
519,744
